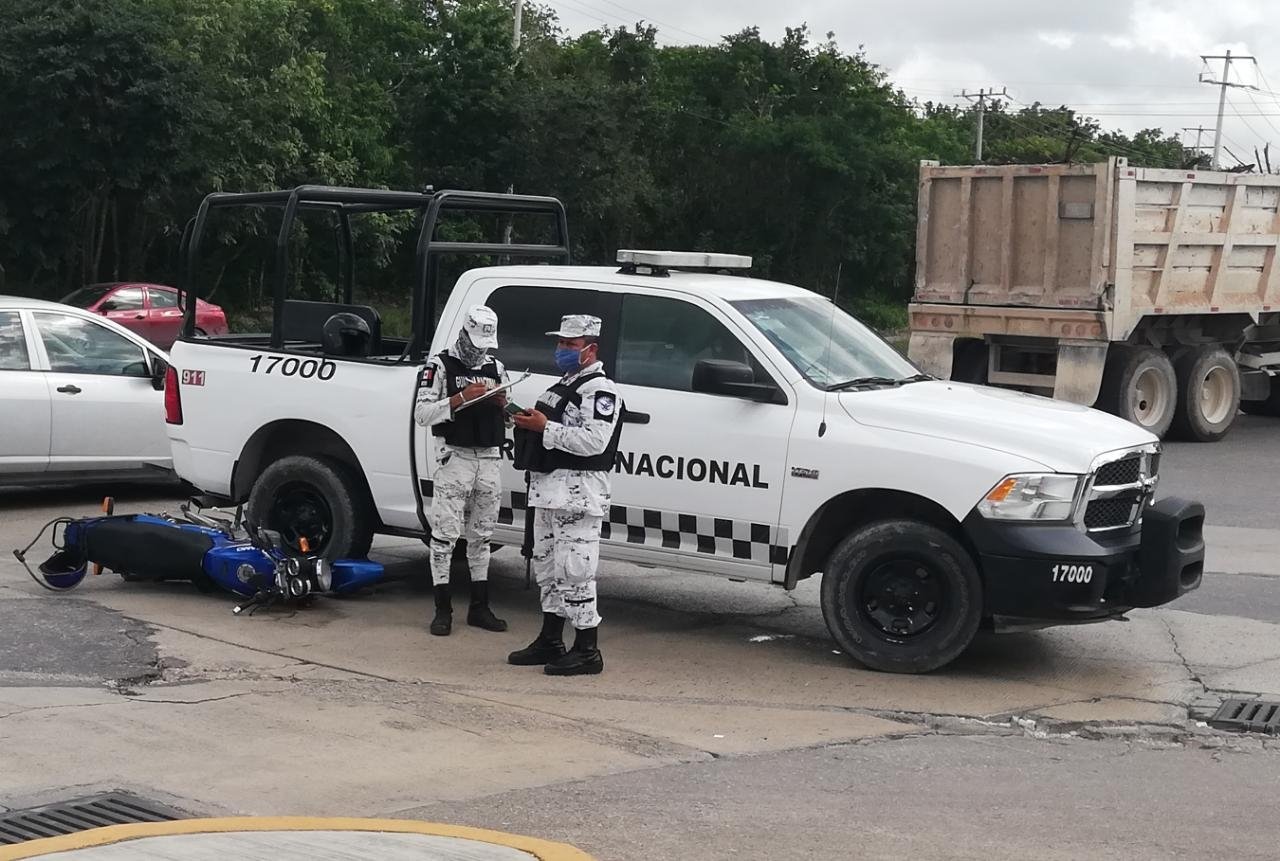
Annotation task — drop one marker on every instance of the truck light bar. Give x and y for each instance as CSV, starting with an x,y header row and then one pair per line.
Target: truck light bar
x,y
658,262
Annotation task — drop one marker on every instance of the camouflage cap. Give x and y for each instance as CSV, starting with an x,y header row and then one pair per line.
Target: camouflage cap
x,y
481,324
578,326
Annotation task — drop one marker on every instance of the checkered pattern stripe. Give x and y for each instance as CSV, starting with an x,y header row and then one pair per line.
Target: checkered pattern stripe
x,y
713,536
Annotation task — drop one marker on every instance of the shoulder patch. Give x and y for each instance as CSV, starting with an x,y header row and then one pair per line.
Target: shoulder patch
x,y
606,404
429,374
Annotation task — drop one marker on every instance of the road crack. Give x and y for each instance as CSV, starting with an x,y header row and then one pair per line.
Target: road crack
x,y
1177,650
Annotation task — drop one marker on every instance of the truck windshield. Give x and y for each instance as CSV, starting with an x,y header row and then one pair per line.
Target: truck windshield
x,y
827,350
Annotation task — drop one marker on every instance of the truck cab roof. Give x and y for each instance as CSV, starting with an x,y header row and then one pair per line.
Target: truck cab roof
x,y
729,288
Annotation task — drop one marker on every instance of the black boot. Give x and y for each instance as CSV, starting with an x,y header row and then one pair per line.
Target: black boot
x,y
583,659
548,646
442,624
478,614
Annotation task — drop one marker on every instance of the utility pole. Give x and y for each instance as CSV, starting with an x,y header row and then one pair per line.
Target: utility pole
x,y
1199,130
981,98
1227,60
1197,150
517,16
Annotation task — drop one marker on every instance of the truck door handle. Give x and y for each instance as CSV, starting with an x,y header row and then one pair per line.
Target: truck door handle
x,y
630,417
69,389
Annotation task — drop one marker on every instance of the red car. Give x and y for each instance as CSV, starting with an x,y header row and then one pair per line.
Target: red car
x,y
150,310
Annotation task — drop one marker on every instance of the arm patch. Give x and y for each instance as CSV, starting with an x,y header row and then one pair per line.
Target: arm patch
x,y
606,405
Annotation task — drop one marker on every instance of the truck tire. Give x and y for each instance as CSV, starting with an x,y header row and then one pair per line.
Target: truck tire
x,y
1208,394
901,596
1268,406
316,497
1139,385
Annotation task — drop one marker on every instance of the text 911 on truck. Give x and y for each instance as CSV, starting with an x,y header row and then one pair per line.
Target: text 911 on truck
x,y
769,436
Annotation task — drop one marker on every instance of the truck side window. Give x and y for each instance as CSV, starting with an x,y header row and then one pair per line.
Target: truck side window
x,y
13,344
526,314
662,340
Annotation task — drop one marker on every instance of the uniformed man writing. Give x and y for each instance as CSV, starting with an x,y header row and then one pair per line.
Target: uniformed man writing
x,y
569,444
469,471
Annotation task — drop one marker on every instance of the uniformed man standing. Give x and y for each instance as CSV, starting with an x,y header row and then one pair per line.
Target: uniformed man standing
x,y
569,444
469,475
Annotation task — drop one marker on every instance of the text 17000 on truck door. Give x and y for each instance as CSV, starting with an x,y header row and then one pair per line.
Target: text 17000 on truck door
x,y
769,436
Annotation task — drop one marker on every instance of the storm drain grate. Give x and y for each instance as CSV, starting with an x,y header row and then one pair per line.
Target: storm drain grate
x,y
81,814
1248,716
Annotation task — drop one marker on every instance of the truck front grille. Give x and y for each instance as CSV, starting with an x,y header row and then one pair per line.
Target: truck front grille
x,y
1114,513
1127,470
1120,489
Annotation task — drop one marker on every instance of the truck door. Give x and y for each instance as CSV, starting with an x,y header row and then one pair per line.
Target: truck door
x,y
701,482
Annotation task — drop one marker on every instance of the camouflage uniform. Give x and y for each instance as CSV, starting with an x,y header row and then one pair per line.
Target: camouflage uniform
x,y
467,479
571,504
467,482
464,481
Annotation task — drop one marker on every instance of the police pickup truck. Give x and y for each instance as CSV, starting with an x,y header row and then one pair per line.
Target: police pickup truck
x,y
768,436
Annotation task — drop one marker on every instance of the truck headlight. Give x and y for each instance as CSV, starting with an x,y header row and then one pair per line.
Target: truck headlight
x,y
1032,497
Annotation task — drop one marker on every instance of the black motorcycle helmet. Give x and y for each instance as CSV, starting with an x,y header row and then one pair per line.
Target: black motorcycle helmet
x,y
346,334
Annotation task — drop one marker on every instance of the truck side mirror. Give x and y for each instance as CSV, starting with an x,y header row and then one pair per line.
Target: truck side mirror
x,y
726,377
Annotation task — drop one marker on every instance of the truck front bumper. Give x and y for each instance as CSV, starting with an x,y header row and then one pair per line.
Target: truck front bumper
x,y
1035,575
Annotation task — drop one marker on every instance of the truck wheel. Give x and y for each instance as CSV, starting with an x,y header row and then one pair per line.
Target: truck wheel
x,y
1268,406
1139,384
318,498
901,596
1208,394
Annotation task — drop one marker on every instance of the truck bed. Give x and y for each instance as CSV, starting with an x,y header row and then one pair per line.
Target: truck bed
x,y
1088,251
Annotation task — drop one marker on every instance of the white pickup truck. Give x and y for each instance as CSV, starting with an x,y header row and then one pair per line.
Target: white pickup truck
x,y
769,436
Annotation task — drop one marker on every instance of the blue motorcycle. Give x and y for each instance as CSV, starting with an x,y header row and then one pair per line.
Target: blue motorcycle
x,y
211,551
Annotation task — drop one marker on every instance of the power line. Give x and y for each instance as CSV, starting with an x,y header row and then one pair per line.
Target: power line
x,y
1248,124
1105,84
1028,124
663,23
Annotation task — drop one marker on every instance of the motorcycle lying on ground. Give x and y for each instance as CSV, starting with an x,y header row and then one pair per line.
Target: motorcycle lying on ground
x,y
211,551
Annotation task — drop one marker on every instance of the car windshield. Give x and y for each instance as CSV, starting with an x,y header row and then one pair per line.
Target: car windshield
x,y
829,350
87,296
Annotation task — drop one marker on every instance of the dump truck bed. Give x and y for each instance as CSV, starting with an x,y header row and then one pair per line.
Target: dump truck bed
x,y
1089,251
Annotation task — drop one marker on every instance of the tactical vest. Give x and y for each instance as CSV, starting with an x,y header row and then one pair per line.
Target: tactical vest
x,y
530,453
480,426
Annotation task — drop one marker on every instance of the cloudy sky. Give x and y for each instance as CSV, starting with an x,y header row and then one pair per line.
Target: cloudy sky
x,y
1132,64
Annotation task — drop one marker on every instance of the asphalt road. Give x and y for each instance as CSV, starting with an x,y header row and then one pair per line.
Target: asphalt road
x,y
1237,478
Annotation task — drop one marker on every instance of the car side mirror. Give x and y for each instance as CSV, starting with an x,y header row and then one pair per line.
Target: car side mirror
x,y
159,367
726,377
108,306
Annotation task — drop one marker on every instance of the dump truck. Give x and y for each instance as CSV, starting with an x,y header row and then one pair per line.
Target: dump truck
x,y
1152,294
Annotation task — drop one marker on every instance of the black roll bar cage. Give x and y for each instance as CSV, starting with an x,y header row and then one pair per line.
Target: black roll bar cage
x,y
345,202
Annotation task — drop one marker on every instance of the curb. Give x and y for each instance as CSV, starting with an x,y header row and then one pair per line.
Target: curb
x,y
543,850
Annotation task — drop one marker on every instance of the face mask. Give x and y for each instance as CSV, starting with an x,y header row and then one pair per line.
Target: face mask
x,y
568,360
468,353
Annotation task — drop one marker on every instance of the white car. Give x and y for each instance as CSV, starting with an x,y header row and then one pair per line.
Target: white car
x,y
81,398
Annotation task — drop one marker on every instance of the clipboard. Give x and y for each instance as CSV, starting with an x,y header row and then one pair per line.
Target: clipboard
x,y
502,388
